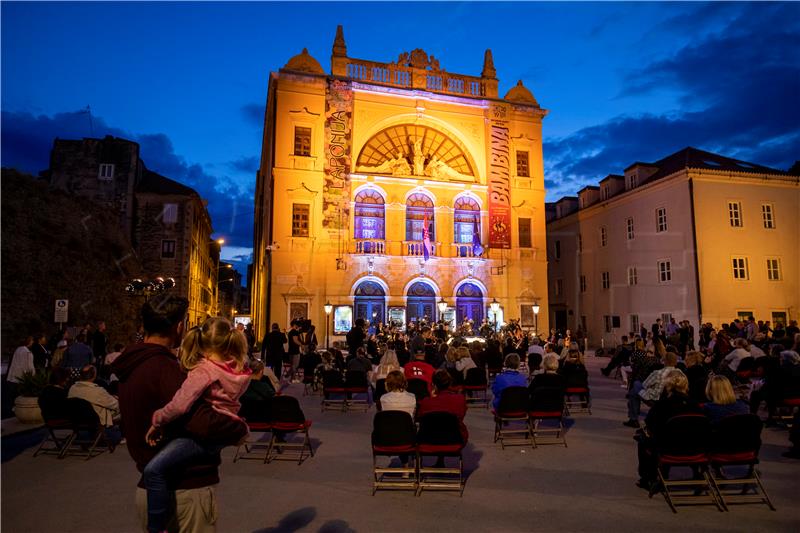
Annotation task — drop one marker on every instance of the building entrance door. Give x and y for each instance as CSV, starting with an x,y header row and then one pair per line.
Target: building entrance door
x,y
469,304
421,302
370,302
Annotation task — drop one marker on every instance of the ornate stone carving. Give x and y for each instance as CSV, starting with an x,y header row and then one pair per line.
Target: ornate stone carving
x,y
418,58
303,62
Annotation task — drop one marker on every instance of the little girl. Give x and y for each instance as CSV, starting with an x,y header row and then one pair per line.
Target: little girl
x,y
215,356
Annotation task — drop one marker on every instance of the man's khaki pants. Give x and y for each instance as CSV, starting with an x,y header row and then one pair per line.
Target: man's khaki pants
x,y
195,510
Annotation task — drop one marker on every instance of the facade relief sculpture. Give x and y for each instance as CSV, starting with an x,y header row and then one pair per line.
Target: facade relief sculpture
x,y
415,163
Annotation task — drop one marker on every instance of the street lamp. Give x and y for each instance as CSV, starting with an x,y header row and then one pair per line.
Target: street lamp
x,y
328,309
495,306
536,319
442,308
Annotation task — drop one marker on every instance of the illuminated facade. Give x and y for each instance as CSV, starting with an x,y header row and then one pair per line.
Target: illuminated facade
x,y
695,236
359,165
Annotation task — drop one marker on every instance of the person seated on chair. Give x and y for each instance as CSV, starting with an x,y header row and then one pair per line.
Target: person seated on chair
x,y
105,405
650,390
464,361
697,374
722,401
509,377
535,355
621,358
398,399
445,400
550,377
260,389
360,363
675,402
419,369
52,399
387,364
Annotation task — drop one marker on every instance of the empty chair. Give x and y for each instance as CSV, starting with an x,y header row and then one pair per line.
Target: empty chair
x,y
736,441
334,393
476,387
394,434
577,386
511,418
547,404
286,419
53,405
356,383
440,435
257,415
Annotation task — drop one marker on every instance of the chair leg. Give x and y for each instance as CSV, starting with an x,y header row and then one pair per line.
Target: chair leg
x,y
269,448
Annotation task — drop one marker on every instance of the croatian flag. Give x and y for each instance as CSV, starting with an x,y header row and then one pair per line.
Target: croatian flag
x,y
477,248
426,239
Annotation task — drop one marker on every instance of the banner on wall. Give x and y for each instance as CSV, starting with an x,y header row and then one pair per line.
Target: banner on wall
x,y
499,181
338,146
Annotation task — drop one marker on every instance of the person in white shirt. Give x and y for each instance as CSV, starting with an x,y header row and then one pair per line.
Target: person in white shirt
x,y
741,351
398,399
105,405
21,361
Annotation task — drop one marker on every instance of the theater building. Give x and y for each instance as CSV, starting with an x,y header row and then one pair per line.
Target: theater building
x,y
694,236
397,191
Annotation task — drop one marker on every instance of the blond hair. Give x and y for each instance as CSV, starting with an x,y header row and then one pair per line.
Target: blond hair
x,y
720,391
692,359
550,362
676,381
216,336
462,352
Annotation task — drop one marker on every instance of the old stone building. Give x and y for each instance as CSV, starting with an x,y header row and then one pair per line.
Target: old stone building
x,y
167,223
391,190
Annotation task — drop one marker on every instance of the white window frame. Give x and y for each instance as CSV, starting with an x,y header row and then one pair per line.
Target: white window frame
x,y
106,172
661,219
664,270
630,232
774,274
633,276
768,215
735,214
605,278
740,268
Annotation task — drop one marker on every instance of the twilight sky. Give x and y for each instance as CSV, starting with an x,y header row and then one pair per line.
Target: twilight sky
x,y
624,82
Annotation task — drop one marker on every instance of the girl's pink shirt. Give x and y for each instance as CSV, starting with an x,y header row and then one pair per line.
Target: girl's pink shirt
x,y
220,384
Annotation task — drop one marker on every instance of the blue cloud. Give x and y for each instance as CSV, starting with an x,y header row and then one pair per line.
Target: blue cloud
x,y
253,114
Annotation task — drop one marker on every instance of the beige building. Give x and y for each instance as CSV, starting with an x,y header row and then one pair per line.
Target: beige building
x,y
360,164
695,236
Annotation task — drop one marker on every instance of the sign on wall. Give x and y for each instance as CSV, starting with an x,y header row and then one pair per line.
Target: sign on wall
x,y
338,146
499,181
342,319
62,311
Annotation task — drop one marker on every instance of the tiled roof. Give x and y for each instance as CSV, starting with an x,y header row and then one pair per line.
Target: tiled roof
x,y
694,158
156,183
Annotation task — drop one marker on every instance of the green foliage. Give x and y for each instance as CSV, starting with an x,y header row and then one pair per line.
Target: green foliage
x,y
33,383
55,246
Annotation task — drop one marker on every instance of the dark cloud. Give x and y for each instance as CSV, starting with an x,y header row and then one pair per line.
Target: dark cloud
x,y
737,88
245,164
28,139
253,114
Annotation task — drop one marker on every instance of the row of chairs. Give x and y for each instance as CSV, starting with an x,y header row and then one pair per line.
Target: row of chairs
x,y
520,413
77,433
439,435
283,419
345,392
689,441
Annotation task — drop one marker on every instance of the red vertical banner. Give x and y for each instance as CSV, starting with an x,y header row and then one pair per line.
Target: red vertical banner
x,y
499,184
338,146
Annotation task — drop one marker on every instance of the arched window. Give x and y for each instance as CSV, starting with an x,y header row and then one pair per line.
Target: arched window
x,y
466,224
469,304
370,302
369,230
419,208
421,302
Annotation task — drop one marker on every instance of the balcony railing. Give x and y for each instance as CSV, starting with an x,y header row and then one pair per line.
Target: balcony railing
x,y
415,248
370,246
409,77
463,250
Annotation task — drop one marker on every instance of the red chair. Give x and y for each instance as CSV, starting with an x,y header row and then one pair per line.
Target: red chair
x,y
254,443
393,434
334,393
440,435
736,442
476,383
510,413
287,418
547,404
356,383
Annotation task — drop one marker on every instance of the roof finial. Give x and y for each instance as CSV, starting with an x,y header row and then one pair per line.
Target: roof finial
x,y
339,47
488,65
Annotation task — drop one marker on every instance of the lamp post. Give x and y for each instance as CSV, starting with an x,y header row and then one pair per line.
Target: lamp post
x,y
536,319
495,306
328,309
442,305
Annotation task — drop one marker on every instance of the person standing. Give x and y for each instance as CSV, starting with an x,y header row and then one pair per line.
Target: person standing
x,y
295,338
100,344
272,350
78,355
150,375
21,362
41,355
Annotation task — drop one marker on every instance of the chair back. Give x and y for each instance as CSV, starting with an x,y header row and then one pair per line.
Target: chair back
x,y
476,377
737,434
439,428
575,376
393,428
332,378
547,400
534,361
286,409
513,400
419,388
356,378
52,403
685,435
256,410
81,414
457,377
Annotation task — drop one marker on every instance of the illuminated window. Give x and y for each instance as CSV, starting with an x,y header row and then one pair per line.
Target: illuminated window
x,y
524,232
633,277
167,249
300,215
661,219
583,283
606,278
664,271
106,172
740,268
767,216
629,224
170,213
603,236
419,207
466,218
302,141
735,214
774,269
522,164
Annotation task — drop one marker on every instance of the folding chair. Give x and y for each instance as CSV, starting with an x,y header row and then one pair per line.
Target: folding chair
x,y
577,384
736,441
419,388
511,411
440,435
287,418
334,393
380,390
257,416
547,404
87,432
685,443
356,383
394,433
476,382
58,426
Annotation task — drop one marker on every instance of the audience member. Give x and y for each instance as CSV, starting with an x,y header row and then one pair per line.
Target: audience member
x,y
650,390
722,401
509,377
105,405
